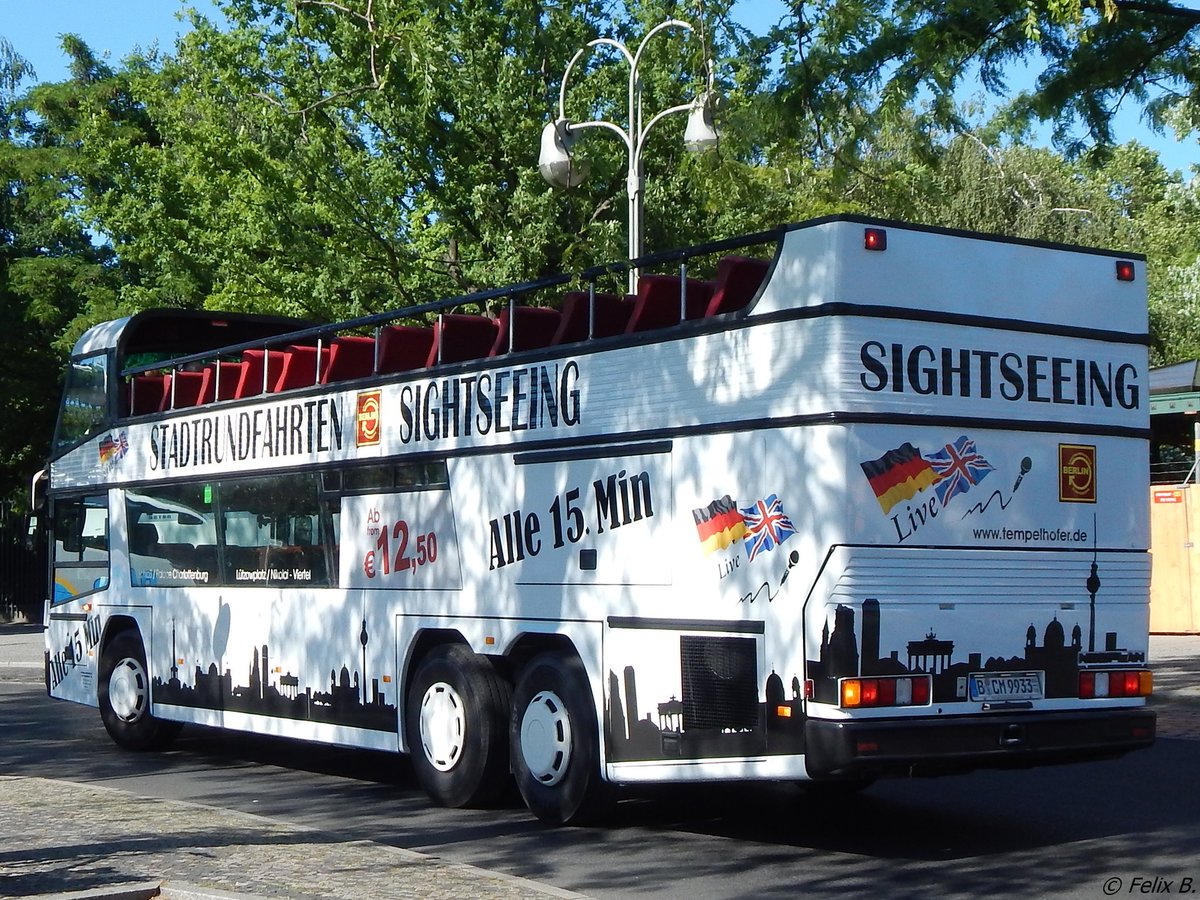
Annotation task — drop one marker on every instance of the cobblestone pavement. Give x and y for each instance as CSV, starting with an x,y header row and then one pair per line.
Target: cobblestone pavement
x,y
196,851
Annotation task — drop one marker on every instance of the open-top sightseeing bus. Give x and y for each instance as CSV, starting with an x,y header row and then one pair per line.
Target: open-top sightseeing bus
x,y
868,501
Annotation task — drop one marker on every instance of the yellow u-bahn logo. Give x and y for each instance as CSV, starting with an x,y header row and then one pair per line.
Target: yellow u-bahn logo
x,y
367,418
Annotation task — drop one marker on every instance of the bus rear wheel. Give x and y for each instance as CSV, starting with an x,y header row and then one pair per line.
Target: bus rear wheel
x,y
455,721
124,695
555,745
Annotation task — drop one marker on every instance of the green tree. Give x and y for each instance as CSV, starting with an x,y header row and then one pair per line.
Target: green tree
x,y
49,270
850,65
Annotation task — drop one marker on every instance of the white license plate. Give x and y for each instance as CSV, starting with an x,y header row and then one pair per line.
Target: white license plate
x,y
1006,685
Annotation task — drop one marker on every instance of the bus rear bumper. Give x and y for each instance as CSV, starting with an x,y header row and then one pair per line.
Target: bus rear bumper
x,y
870,748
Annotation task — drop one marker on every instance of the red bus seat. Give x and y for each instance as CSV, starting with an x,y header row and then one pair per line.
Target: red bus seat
x,y
302,367
657,304
612,315
251,380
457,338
192,388
738,280
149,394
351,356
225,378
532,327
403,348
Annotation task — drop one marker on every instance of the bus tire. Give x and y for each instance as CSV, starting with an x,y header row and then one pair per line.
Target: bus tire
x,y
456,720
124,695
555,743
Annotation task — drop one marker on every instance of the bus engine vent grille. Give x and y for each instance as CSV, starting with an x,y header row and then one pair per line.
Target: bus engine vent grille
x,y
720,683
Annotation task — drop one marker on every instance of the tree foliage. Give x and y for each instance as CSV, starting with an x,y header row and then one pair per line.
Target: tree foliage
x,y
850,65
50,273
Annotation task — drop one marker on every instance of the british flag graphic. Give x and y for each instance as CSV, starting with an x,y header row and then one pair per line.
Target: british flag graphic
x,y
959,467
766,526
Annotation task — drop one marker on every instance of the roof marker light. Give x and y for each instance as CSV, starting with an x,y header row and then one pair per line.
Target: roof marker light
x,y
874,239
1125,270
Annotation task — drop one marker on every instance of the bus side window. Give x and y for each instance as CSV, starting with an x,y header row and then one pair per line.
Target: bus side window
x,y
172,536
80,546
270,532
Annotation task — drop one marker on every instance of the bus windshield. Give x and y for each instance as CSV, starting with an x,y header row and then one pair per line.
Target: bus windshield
x,y
84,401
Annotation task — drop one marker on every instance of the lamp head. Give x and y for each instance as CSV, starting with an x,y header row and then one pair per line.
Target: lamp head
x,y
701,134
555,161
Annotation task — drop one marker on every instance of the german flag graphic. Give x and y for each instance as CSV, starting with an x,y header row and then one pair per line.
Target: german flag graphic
x,y
898,475
719,524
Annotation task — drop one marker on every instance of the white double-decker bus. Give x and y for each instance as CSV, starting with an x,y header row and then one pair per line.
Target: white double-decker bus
x,y
870,501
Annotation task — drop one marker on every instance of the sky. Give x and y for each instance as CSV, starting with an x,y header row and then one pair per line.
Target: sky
x,y
117,27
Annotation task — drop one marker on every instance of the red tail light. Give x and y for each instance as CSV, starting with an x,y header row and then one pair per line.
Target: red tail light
x,y
1116,683
1087,685
887,692
870,692
920,691
862,693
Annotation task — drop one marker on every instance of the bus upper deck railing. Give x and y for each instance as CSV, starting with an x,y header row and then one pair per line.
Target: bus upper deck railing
x,y
331,353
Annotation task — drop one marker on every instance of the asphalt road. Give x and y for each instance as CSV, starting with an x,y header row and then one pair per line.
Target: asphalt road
x,y
1063,831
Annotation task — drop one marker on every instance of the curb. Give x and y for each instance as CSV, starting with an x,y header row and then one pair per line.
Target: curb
x,y
141,890
148,890
178,890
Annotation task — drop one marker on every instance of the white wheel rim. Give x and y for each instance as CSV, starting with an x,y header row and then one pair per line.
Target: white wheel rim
x,y
443,726
546,738
127,690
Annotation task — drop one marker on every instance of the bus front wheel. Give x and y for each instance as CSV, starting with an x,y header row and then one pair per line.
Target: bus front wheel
x,y
124,695
555,744
455,721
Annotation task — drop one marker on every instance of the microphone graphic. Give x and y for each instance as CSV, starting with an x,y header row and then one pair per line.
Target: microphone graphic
x,y
1026,465
793,558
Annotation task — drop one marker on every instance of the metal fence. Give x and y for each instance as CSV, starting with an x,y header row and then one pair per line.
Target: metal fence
x,y
22,570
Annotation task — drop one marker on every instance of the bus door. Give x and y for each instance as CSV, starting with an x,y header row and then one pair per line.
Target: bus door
x,y
80,571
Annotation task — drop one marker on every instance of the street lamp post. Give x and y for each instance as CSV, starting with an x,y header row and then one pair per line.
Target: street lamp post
x,y
559,167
